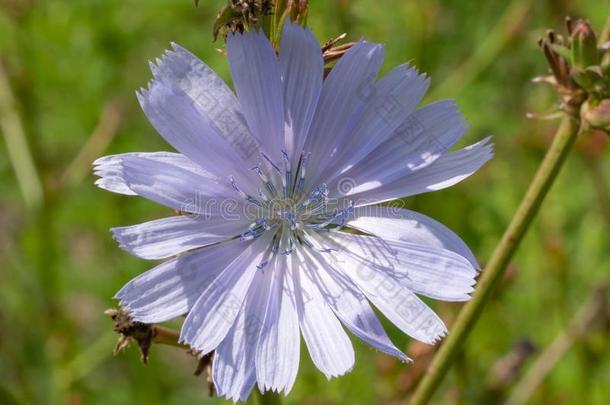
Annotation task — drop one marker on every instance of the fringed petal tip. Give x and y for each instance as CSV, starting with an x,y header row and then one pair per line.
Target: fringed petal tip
x,y
440,337
121,245
263,388
411,70
126,246
143,92
109,169
105,163
177,57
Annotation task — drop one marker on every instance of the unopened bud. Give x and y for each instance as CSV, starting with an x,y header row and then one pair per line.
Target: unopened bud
x,y
597,114
584,46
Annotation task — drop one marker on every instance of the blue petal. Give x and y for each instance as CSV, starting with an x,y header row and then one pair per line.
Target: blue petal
x,y
166,178
278,348
393,98
187,128
447,170
233,368
167,237
257,78
328,344
213,98
409,226
350,306
420,139
389,273
302,70
215,311
170,289
345,92
424,269
109,168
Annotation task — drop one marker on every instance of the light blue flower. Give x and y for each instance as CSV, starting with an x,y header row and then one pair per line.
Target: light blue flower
x,y
280,238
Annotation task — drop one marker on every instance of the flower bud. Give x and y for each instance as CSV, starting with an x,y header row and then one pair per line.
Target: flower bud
x,y
597,114
584,46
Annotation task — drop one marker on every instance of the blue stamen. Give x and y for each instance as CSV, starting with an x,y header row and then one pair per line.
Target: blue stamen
x,y
256,229
340,215
244,195
291,223
301,173
277,169
265,180
317,200
262,265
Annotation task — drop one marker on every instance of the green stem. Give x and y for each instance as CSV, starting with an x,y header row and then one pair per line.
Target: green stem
x,y
268,398
501,256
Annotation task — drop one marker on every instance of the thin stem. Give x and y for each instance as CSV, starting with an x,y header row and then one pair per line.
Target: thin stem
x,y
268,398
542,366
501,256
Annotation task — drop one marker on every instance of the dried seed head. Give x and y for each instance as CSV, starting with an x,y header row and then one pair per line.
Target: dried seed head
x,y
130,330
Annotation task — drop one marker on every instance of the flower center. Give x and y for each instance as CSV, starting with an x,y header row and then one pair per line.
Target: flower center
x,y
290,214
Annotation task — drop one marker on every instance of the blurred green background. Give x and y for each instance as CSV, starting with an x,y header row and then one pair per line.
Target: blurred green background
x,y
68,74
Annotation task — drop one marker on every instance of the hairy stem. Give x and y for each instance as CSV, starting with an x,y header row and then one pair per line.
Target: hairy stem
x,y
500,258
